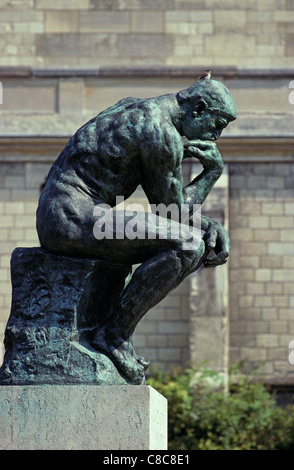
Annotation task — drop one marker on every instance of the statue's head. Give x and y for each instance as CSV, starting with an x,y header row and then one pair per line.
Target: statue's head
x,y
209,107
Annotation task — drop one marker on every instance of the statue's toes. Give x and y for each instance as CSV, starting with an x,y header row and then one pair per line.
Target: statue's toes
x,y
143,362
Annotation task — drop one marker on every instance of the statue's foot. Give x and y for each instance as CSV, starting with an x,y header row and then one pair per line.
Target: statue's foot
x,y
143,362
122,354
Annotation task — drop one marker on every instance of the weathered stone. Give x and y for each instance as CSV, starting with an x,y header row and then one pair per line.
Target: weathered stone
x,y
104,22
57,302
82,417
61,21
147,44
71,96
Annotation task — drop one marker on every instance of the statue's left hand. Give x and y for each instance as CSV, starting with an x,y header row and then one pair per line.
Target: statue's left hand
x,y
217,239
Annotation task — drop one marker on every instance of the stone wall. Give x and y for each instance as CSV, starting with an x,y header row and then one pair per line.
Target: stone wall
x,y
262,265
168,32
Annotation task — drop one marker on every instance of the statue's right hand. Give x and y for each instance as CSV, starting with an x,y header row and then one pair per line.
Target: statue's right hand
x,y
206,152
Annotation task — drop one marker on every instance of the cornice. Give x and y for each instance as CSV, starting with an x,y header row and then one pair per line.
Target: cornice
x,y
145,72
233,149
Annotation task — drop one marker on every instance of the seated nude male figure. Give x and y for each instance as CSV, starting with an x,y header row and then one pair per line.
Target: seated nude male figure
x,y
139,142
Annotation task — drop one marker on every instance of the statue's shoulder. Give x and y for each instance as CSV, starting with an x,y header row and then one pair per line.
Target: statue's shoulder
x,y
129,109
135,118
155,117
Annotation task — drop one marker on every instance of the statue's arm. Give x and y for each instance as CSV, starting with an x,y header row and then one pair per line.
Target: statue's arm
x,y
161,166
207,153
216,237
162,170
163,183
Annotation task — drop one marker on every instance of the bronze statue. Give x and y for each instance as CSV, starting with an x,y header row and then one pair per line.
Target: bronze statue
x,y
139,142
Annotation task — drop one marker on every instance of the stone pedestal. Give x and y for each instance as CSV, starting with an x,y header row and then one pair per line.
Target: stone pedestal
x,y
82,417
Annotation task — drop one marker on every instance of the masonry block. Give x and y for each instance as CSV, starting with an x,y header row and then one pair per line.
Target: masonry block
x,y
82,417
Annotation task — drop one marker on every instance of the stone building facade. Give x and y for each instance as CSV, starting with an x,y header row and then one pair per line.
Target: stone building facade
x,y
64,61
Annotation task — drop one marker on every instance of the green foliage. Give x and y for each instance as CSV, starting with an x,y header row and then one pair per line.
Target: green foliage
x,y
204,417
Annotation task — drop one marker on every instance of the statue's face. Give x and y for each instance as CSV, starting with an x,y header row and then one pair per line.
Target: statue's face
x,y
207,125
208,109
